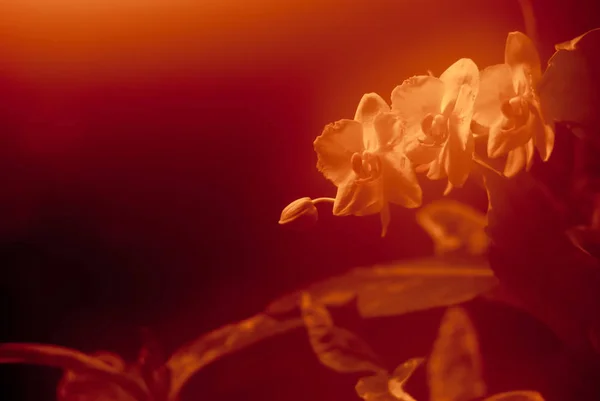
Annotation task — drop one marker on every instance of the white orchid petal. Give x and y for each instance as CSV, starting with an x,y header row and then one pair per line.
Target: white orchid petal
x,y
358,198
370,105
464,72
516,161
417,97
495,87
400,183
502,141
335,147
543,134
520,53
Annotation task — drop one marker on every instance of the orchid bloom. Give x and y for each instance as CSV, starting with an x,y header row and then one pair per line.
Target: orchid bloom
x,y
438,113
364,158
509,107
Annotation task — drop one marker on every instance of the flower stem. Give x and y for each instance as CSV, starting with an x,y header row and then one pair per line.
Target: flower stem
x,y
323,200
529,19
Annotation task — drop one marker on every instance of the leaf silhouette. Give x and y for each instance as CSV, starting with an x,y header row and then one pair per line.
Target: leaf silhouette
x,y
454,226
522,395
454,367
569,90
336,347
536,262
209,347
398,288
75,362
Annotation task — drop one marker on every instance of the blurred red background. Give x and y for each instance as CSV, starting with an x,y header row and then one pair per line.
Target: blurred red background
x,y
147,149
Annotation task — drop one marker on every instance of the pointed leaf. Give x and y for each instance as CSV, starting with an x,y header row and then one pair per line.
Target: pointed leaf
x,y
524,395
374,388
209,347
84,386
336,348
71,360
454,226
399,288
454,367
570,89
400,376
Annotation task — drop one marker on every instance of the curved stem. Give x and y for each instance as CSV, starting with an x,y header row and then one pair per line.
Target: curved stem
x,y
323,200
529,19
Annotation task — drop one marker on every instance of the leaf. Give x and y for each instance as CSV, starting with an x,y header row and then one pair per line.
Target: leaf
x,y
74,361
336,348
399,288
454,367
209,347
535,260
570,90
151,365
78,386
523,395
454,226
400,376
374,388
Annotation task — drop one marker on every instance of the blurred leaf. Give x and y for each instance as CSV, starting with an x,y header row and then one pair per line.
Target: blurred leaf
x,y
536,262
454,367
383,387
569,90
454,226
336,347
192,357
401,375
78,386
523,395
374,388
399,288
151,366
75,362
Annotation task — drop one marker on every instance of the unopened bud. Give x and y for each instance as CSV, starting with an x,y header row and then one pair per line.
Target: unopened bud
x,y
301,212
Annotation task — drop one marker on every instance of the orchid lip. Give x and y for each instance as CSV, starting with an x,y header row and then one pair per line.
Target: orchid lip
x,y
366,165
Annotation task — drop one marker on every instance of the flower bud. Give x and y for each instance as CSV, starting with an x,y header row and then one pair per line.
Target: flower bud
x,y
301,212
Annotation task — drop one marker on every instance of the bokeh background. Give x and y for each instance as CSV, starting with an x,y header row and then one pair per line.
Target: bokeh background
x,y
148,147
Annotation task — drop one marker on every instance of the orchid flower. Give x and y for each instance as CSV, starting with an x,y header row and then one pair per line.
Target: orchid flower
x,y
438,113
509,107
364,158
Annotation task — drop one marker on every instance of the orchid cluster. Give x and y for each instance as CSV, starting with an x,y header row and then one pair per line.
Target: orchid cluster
x,y
431,127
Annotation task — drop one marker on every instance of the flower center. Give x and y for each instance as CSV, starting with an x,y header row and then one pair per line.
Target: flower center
x,y
366,165
516,111
435,129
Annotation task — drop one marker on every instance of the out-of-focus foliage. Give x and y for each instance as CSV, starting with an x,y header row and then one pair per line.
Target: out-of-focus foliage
x,y
388,387
570,89
454,366
105,373
523,395
106,377
454,227
336,347
80,386
192,357
399,288
537,262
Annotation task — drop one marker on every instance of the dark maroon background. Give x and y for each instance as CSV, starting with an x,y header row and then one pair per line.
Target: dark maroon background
x,y
144,161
